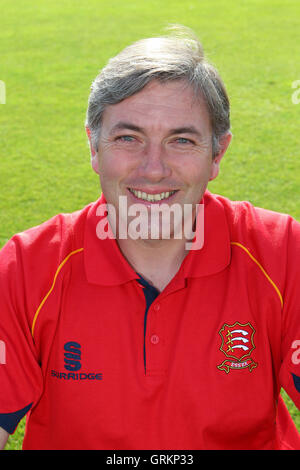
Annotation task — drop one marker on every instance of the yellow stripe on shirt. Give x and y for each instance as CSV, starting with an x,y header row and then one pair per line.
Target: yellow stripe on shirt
x,y
261,268
52,287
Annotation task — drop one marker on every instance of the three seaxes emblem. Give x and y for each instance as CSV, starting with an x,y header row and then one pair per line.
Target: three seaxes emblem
x,y
237,345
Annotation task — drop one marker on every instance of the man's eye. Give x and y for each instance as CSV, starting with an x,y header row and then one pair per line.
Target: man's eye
x,y
184,140
125,138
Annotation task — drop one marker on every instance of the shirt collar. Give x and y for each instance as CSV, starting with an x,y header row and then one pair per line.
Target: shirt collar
x,y
215,253
105,264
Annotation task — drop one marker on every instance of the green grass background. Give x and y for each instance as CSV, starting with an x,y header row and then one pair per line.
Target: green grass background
x,y
50,51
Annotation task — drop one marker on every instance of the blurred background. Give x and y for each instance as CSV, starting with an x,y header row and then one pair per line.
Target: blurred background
x,y
51,51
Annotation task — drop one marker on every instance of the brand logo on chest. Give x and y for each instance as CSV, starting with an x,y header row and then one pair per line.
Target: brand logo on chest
x,y
73,363
72,356
237,343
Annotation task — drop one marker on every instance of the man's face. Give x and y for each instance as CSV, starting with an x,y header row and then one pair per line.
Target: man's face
x,y
156,147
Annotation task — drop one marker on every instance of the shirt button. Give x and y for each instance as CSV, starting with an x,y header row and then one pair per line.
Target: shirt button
x,y
156,307
154,339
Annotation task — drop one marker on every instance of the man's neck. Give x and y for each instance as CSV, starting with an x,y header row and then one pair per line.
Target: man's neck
x,y
157,261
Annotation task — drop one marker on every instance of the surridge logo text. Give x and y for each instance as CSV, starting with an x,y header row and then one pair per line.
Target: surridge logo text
x,y
73,363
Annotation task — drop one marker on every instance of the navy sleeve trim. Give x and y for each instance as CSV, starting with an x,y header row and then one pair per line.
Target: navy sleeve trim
x,y
296,380
9,421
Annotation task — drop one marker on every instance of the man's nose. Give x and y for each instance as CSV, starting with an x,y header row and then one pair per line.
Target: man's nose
x,y
154,165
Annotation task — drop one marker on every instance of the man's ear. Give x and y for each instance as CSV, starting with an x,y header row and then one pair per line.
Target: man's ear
x,y
94,154
224,142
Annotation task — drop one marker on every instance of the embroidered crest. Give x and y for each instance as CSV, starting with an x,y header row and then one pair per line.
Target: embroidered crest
x,y
237,345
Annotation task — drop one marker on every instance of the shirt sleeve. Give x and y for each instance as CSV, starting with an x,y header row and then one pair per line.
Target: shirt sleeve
x,y
20,373
10,421
290,348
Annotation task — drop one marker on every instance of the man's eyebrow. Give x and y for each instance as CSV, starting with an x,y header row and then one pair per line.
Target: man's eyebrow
x,y
185,130
122,125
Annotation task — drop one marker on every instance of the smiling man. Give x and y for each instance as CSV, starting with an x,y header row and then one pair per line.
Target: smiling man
x,y
155,148
114,338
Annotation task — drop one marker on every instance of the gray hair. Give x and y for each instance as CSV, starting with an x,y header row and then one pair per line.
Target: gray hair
x,y
165,58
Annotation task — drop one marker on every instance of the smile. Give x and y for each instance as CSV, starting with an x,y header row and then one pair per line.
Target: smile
x,y
151,197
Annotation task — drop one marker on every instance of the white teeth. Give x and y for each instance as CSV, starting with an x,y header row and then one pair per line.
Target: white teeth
x,y
152,197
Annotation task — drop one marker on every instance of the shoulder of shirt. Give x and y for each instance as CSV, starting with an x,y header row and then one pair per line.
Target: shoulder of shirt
x,y
63,228
249,223
31,260
50,241
269,239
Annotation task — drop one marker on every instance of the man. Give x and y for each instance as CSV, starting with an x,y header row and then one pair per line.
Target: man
x,y
123,330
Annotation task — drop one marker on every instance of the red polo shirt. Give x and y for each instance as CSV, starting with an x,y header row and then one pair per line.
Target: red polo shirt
x,y
104,361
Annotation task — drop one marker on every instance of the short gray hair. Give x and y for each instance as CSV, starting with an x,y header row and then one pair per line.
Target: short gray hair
x,y
166,58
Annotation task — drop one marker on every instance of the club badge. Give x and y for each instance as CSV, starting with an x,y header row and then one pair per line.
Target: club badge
x,y
237,345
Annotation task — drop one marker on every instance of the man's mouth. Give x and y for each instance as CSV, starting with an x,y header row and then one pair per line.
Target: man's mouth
x,y
151,197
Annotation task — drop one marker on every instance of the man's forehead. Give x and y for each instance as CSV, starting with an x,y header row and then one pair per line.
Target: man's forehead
x,y
169,90
173,101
